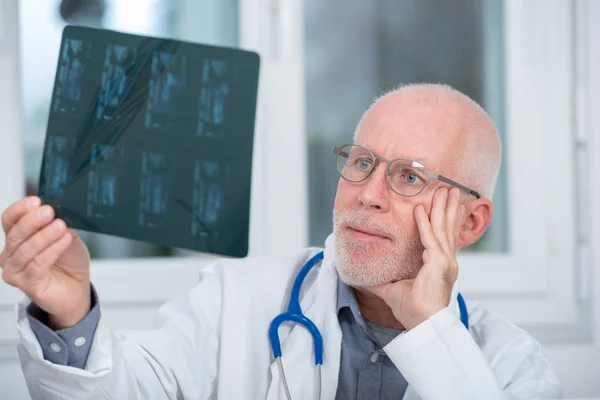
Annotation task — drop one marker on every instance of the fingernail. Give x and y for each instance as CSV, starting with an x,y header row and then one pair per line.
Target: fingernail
x,y
456,193
462,210
56,226
33,202
44,212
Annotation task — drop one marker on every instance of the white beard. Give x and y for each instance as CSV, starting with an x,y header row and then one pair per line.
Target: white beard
x,y
363,264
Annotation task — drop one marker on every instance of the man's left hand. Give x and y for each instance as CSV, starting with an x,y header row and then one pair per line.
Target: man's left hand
x,y
415,300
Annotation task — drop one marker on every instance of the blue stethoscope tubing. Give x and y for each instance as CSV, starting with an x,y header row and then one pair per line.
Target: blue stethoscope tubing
x,y
294,314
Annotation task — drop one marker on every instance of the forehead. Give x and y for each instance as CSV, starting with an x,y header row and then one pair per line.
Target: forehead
x,y
425,133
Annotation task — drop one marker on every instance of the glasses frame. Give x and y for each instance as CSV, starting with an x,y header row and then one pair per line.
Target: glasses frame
x,y
376,159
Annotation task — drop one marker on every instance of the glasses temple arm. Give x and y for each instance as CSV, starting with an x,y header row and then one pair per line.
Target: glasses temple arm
x,y
456,184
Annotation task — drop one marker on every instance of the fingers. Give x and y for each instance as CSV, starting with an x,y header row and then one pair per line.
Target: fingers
x,y
27,226
36,268
438,216
18,209
14,213
36,244
38,265
425,229
452,217
442,226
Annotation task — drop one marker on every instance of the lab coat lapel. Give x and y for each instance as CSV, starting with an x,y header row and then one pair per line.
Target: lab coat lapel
x,y
297,348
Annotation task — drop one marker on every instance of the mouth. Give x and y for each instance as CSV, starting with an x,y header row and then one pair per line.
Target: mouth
x,y
365,234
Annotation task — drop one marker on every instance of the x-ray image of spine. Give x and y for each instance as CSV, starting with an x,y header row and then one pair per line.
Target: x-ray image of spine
x,y
209,178
165,92
71,67
155,187
102,194
58,153
217,77
118,61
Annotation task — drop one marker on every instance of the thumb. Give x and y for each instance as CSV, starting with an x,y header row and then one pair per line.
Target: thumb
x,y
393,293
75,235
378,290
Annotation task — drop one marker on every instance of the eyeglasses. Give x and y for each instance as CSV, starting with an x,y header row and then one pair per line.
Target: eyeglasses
x,y
405,176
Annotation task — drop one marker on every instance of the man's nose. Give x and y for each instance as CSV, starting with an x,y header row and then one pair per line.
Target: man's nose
x,y
375,191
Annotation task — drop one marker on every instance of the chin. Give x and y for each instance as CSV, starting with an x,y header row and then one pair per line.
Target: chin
x,y
363,254
366,264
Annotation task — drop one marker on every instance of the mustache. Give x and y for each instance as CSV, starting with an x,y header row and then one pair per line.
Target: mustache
x,y
363,220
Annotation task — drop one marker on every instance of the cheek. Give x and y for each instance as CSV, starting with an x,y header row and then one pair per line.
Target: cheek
x,y
346,195
404,218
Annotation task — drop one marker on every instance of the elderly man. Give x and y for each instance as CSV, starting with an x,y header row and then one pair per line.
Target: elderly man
x,y
415,186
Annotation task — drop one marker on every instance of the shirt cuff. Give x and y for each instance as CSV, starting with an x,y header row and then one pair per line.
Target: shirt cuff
x,y
69,346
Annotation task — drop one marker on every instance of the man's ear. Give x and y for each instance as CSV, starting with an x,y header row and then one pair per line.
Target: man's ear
x,y
478,217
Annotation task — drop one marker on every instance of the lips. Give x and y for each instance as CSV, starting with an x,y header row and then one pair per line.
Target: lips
x,y
363,233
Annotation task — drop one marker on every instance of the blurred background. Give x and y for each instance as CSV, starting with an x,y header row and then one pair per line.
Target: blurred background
x,y
530,64
359,45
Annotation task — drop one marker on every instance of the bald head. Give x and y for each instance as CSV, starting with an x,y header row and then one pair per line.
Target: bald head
x,y
442,126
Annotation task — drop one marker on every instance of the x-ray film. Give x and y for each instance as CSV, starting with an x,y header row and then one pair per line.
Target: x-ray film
x,y
151,139
72,63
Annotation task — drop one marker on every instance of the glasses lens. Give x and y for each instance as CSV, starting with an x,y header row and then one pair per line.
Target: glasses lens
x,y
408,177
354,163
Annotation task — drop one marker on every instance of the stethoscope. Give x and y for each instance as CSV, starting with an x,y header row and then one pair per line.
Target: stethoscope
x,y
294,314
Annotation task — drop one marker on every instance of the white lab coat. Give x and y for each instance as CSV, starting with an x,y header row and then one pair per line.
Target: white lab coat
x,y
213,343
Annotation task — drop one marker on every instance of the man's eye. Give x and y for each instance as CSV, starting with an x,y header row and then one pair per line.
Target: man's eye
x,y
411,178
363,163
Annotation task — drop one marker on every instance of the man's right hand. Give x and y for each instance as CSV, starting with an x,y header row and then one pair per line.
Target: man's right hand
x,y
47,261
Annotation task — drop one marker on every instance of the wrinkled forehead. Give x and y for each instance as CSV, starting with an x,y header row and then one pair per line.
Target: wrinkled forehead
x,y
415,132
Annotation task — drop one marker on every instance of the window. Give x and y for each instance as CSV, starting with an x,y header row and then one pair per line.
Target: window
x,y
356,51
530,268
503,54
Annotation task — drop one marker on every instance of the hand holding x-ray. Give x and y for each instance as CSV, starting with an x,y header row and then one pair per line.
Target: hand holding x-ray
x,y
47,261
